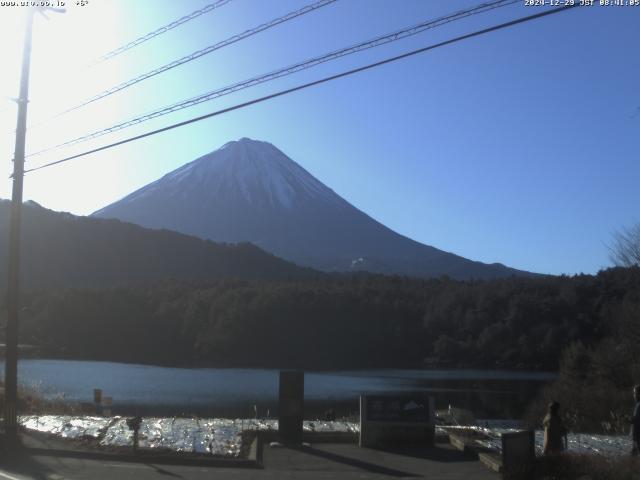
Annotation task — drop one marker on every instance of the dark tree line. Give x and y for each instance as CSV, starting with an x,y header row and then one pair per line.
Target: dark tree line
x,y
63,250
595,379
340,321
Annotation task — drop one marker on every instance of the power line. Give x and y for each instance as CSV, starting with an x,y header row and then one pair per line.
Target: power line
x,y
311,84
160,31
142,39
197,54
289,70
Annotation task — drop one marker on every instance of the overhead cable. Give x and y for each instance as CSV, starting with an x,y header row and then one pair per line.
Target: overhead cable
x,y
310,84
289,70
197,54
160,31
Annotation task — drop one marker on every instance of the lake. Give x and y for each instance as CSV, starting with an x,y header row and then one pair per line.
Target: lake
x,y
235,392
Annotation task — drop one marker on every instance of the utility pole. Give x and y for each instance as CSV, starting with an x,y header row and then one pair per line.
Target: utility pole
x,y
13,288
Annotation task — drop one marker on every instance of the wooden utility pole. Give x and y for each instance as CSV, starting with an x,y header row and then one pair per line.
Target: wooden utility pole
x,y
13,288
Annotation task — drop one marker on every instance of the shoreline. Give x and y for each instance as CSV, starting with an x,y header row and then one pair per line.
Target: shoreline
x,y
529,372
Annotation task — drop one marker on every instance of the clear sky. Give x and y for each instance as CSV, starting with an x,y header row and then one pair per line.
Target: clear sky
x,y
519,147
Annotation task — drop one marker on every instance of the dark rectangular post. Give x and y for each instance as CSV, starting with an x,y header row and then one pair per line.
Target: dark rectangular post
x,y
291,407
13,284
518,454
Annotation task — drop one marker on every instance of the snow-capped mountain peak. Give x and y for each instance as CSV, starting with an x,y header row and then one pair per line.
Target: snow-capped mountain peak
x,y
250,191
252,171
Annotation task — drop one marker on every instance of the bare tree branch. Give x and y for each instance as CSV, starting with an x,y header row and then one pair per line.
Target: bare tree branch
x,y
625,251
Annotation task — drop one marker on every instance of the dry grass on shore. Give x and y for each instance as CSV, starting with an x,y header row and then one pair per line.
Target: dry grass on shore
x,y
31,401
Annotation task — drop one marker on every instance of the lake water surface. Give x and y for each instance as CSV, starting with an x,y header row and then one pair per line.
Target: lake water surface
x,y
230,391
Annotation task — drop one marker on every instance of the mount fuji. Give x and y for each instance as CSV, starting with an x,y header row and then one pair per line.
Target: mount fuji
x,y
249,191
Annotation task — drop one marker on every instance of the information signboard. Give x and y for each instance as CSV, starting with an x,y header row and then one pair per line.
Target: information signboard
x,y
404,417
403,408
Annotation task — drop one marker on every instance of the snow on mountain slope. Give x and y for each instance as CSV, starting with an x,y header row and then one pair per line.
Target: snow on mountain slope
x,y
250,191
255,172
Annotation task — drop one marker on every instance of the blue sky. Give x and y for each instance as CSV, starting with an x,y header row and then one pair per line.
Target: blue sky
x,y
517,147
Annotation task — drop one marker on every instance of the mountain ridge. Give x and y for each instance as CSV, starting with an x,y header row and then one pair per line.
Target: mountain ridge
x,y
63,250
250,191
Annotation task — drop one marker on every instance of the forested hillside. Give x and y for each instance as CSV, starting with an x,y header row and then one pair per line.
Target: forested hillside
x,y
64,250
339,321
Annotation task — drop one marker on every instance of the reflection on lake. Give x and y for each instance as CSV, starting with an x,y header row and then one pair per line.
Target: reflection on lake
x,y
229,391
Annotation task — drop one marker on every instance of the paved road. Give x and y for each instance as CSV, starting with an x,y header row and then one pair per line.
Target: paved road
x,y
75,469
320,461
348,461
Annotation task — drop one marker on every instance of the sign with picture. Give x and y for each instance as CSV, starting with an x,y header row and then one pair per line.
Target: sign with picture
x,y
405,417
408,408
